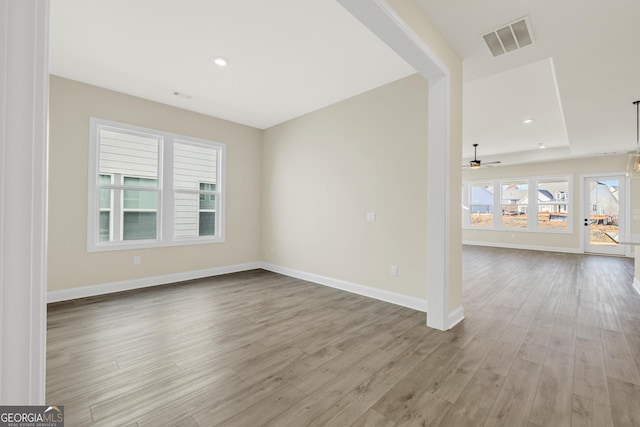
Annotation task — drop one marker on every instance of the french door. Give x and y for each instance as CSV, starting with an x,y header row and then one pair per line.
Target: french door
x,y
604,214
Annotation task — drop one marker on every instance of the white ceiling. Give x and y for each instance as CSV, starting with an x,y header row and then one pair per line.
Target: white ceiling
x,y
591,51
286,57
290,57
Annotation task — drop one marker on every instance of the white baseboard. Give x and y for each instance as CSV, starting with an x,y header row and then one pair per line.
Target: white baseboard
x,y
456,316
127,285
525,247
379,294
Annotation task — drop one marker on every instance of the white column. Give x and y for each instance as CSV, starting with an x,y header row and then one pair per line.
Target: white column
x,y
24,103
438,206
384,22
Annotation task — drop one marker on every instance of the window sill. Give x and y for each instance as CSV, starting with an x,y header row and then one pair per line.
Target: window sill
x,y
519,230
149,244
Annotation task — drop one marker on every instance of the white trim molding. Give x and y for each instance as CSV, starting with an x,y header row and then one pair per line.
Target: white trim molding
x,y
24,111
129,285
379,294
164,189
636,284
456,316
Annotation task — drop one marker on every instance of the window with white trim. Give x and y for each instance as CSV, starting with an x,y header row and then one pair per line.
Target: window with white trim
x,y
481,205
515,204
553,204
151,188
527,204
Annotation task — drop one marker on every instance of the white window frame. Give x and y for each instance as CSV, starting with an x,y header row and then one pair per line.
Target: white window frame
x,y
567,200
528,206
166,202
110,210
468,212
532,206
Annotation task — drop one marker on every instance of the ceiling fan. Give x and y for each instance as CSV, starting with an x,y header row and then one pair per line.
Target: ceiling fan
x,y
475,163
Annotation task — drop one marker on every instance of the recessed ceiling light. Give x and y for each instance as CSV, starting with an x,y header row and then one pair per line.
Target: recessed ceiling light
x,y
220,61
542,146
182,95
527,121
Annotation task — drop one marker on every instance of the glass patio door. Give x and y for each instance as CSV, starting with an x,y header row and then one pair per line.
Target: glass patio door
x,y
604,212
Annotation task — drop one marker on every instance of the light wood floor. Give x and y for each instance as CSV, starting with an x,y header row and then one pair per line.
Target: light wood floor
x,y
549,340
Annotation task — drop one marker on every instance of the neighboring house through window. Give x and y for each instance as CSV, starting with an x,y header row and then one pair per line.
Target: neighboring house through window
x,y
528,204
481,206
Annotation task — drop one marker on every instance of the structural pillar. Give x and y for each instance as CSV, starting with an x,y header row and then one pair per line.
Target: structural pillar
x,y
24,104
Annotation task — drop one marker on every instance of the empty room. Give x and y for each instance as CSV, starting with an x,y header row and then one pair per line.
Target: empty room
x,y
337,212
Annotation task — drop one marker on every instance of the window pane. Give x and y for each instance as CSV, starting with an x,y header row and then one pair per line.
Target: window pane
x,y
105,194
140,199
128,154
207,186
481,206
207,201
553,206
194,165
207,224
105,226
186,215
515,200
105,199
194,215
140,182
553,217
139,226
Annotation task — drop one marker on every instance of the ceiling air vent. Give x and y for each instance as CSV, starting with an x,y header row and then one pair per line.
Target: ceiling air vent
x,y
510,37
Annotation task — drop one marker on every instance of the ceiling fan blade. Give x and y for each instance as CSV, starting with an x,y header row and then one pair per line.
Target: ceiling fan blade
x,y
481,165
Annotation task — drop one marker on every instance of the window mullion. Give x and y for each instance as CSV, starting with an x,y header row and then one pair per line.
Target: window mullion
x,y
497,204
532,208
167,192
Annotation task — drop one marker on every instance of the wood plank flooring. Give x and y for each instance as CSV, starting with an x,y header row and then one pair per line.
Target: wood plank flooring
x,y
549,340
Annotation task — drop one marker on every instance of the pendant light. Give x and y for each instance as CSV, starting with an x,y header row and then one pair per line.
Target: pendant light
x,y
634,159
637,104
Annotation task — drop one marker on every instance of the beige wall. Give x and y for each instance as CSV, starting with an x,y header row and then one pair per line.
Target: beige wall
x,y
320,174
575,168
324,171
69,264
422,26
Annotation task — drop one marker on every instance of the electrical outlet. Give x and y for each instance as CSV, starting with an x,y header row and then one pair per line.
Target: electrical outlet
x,y
394,270
136,260
371,216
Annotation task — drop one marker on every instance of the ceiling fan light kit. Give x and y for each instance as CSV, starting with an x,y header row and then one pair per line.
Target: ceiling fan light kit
x,y
475,163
